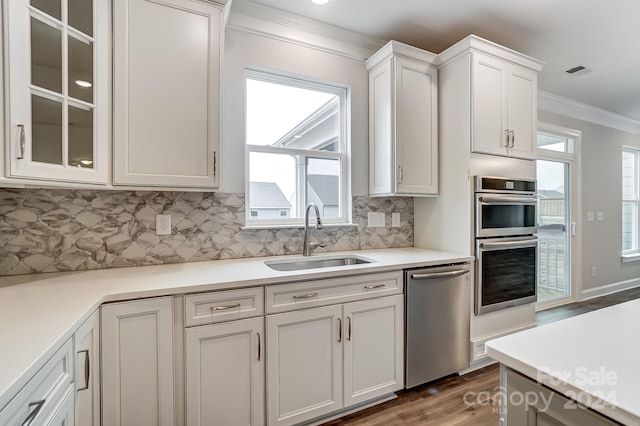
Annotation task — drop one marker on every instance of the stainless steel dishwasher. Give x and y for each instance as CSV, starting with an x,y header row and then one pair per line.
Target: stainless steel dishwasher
x,y
437,328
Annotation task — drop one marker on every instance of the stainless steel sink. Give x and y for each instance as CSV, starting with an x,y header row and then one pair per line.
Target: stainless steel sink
x,y
312,263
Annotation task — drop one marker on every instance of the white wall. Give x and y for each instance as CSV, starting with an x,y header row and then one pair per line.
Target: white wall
x,y
244,49
601,191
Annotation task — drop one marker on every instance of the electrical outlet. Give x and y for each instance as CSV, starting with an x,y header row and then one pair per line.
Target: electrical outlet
x,y
375,220
163,224
395,220
599,216
593,271
590,217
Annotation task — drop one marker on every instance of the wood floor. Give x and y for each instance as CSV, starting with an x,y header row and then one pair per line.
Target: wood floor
x,y
471,399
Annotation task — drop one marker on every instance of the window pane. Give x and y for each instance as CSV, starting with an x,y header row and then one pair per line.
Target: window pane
x,y
292,117
80,137
554,143
629,226
50,7
323,185
80,70
46,130
46,56
272,185
81,15
628,175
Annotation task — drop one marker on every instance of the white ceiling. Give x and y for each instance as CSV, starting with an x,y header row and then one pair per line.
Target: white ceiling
x,y
603,36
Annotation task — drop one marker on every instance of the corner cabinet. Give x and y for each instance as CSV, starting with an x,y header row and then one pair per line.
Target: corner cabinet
x,y
58,87
504,105
403,122
167,93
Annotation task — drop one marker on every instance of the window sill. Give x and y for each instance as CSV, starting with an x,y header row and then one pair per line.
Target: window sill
x,y
296,225
631,257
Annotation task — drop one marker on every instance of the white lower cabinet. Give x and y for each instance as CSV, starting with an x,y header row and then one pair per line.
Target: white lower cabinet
x,y
325,359
137,363
64,414
224,373
87,368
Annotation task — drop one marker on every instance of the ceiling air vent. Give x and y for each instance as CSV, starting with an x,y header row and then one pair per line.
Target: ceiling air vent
x,y
575,69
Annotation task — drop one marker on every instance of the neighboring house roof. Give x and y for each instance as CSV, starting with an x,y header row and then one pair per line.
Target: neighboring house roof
x,y
267,195
550,193
327,187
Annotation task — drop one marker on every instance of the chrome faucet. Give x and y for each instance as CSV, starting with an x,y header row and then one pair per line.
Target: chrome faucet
x,y
306,245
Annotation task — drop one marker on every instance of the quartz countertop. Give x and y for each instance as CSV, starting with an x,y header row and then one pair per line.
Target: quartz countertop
x,y
39,312
593,358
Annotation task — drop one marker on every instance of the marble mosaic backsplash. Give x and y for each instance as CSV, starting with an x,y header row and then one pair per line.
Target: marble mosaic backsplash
x,y
56,230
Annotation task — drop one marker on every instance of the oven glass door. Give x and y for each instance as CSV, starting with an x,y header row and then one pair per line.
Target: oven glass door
x,y
506,273
499,215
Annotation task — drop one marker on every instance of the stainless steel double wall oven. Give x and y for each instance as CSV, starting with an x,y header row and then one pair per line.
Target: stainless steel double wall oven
x,y
506,244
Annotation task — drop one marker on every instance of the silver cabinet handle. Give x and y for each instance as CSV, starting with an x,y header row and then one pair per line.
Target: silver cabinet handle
x,y
349,329
456,273
339,330
506,135
513,138
22,141
305,296
259,347
401,172
87,369
214,163
32,414
369,287
224,307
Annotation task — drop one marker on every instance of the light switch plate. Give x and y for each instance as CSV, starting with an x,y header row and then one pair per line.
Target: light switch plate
x,y
395,219
599,216
375,220
163,224
590,216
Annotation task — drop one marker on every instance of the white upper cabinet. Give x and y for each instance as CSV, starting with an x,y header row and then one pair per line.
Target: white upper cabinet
x,y
58,73
403,116
167,61
504,107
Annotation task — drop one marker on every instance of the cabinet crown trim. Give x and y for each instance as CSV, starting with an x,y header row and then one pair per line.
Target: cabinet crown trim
x,y
397,48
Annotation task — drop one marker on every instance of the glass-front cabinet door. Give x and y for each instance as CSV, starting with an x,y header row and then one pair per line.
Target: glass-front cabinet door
x,y
58,73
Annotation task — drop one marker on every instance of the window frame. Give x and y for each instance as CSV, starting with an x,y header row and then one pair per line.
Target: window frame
x,y
634,251
301,156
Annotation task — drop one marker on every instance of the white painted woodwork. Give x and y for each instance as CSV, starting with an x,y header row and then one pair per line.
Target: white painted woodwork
x,y
304,364
64,413
373,348
87,372
50,384
18,92
167,60
224,380
504,98
403,128
218,306
137,363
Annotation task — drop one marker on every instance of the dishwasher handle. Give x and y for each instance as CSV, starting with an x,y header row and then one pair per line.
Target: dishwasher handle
x,y
447,274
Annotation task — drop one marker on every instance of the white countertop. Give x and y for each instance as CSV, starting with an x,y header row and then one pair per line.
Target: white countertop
x,y
41,311
594,358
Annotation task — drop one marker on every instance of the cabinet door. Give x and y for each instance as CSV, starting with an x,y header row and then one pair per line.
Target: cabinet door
x,y
416,128
489,104
225,373
167,58
382,169
304,364
523,119
137,363
58,68
373,348
87,368
64,413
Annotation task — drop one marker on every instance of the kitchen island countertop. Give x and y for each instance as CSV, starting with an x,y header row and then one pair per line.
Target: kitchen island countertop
x,y
593,358
39,312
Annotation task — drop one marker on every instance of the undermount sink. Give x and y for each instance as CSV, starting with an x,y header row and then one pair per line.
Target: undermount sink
x,y
313,263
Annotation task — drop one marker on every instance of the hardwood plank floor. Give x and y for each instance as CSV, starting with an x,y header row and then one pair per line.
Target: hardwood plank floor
x,y
472,399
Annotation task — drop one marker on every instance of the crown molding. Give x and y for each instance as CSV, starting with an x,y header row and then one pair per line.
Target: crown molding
x,y
581,111
277,24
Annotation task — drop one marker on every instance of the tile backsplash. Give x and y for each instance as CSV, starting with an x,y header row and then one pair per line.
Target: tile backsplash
x,y
66,230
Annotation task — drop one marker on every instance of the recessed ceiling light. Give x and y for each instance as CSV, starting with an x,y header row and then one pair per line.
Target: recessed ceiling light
x,y
83,83
575,69
320,1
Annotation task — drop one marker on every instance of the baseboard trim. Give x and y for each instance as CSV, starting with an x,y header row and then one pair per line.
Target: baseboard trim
x,y
477,365
610,289
478,350
351,410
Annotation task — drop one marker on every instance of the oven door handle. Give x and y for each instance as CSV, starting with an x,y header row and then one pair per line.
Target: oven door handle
x,y
508,200
510,244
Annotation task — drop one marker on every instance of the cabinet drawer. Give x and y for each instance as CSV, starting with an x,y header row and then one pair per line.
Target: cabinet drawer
x,y
218,306
308,294
43,392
